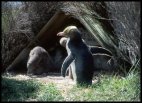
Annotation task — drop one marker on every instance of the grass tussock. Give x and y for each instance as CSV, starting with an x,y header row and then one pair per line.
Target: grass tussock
x,y
50,93
28,90
108,88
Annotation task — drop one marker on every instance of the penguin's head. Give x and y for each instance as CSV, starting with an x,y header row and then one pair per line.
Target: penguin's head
x,y
66,31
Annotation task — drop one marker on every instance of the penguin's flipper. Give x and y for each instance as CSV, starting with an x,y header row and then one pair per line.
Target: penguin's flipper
x,y
68,60
96,49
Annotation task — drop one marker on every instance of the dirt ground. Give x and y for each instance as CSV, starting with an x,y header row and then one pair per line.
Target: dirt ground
x,y
63,84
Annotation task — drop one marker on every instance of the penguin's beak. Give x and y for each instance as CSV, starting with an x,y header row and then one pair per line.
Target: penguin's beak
x,y
61,34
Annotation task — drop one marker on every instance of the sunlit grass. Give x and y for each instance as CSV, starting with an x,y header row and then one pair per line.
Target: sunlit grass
x,y
50,93
108,88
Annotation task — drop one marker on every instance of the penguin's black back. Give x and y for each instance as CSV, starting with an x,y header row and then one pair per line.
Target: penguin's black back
x,y
83,57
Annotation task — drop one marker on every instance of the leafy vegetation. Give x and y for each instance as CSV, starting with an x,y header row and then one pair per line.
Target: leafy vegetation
x,y
28,90
50,93
14,90
108,88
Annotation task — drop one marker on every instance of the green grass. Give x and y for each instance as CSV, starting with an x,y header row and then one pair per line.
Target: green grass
x,y
109,88
28,90
50,93
14,90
